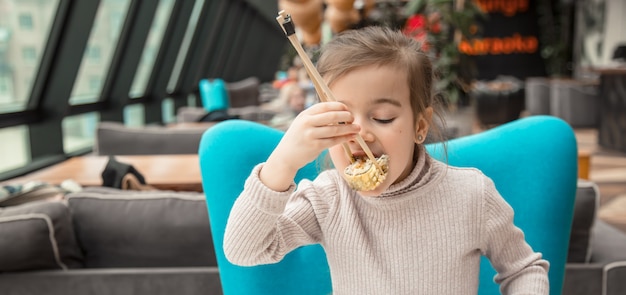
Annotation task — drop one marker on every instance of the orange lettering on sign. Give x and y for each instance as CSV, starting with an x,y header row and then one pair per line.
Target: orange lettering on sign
x,y
515,44
506,7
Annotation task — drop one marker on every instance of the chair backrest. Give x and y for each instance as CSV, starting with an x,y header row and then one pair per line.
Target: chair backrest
x,y
227,155
533,162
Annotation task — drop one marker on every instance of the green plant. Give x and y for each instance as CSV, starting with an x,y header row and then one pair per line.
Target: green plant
x,y
555,22
446,22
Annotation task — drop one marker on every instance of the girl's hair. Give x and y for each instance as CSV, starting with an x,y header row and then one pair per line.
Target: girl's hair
x,y
381,46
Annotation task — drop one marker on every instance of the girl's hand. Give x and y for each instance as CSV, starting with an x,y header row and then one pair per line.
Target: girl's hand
x,y
311,132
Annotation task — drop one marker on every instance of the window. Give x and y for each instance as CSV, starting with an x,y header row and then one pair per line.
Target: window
x,y
19,56
25,21
7,100
93,53
29,54
5,87
95,83
168,110
105,32
150,51
134,115
184,47
79,131
14,147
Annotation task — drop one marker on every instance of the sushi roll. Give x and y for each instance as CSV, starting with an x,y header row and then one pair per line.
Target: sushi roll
x,y
364,175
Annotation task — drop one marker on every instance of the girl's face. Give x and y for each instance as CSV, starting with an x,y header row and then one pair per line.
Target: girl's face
x,y
379,100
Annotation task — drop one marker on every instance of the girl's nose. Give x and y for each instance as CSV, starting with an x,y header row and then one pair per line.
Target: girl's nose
x,y
365,132
367,135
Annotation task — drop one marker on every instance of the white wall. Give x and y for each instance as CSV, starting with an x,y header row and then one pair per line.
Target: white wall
x,y
599,28
615,32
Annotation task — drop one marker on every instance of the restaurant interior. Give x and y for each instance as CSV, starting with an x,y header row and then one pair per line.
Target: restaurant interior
x,y
128,129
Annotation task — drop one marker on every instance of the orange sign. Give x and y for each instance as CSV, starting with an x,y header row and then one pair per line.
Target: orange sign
x,y
509,40
494,46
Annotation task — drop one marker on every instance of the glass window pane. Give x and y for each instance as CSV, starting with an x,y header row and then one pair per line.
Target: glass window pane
x,y
24,30
29,54
191,100
100,48
151,49
79,131
26,21
134,115
14,148
168,112
184,47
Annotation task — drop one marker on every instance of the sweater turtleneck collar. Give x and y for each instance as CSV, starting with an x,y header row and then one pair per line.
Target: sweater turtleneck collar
x,y
420,178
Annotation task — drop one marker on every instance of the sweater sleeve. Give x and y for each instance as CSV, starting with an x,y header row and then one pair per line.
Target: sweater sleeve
x,y
265,225
520,269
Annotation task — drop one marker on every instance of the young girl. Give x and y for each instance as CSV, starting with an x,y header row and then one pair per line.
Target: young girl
x,y
423,230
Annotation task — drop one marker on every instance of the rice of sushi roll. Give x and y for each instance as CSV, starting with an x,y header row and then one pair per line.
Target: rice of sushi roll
x,y
363,175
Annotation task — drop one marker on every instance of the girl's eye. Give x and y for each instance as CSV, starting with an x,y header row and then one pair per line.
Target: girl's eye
x,y
384,121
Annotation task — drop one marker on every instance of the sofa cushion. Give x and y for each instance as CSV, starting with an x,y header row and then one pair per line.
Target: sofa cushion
x,y
585,208
38,235
608,243
117,228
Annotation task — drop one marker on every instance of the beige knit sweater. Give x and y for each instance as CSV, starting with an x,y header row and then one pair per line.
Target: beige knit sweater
x,y
425,235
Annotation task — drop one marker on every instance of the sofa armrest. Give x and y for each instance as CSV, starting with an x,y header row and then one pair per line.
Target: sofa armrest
x,y
583,279
615,278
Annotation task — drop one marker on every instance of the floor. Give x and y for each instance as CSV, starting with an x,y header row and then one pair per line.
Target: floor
x,y
607,167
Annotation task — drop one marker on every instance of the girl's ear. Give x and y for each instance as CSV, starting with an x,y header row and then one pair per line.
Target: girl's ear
x,y
423,124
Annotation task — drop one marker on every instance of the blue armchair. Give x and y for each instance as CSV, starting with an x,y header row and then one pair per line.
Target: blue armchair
x,y
533,162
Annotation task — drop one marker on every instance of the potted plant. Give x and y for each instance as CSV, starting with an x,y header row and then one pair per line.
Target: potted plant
x,y
441,24
554,20
498,101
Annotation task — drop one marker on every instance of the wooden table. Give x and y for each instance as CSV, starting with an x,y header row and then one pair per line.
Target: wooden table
x,y
164,172
584,164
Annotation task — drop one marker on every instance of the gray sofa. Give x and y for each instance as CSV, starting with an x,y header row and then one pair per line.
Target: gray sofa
x,y
605,271
108,241
597,250
245,98
114,138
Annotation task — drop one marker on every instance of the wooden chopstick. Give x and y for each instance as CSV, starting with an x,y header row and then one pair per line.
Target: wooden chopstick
x,y
284,20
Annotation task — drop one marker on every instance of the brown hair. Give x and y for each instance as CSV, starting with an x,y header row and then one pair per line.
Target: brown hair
x,y
381,46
